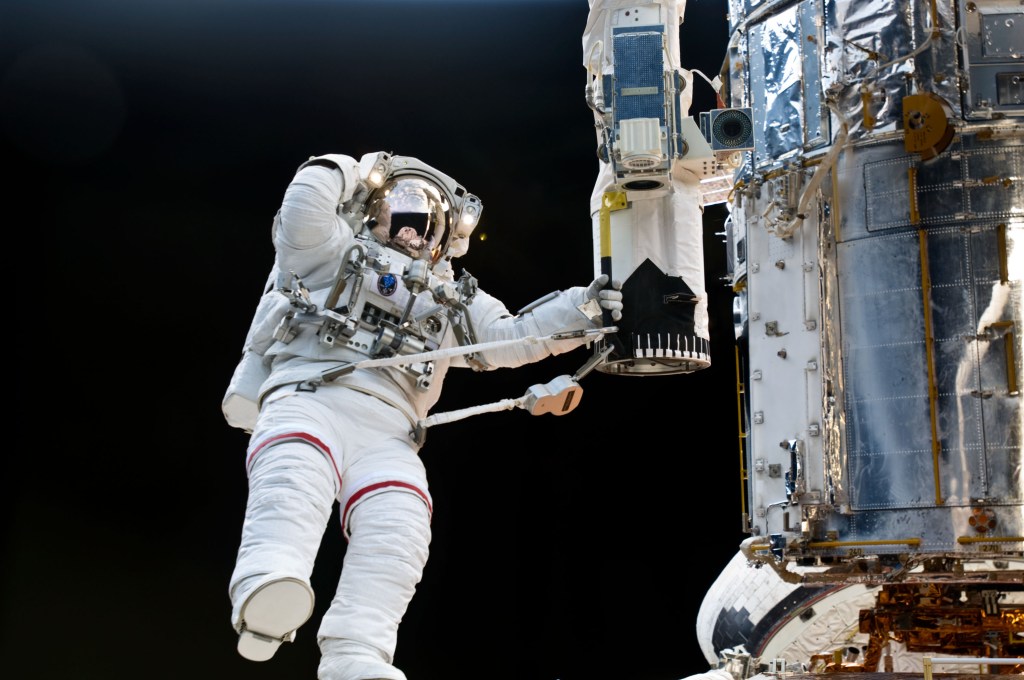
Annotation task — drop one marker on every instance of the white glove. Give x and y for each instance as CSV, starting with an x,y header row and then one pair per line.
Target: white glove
x,y
356,202
608,298
381,222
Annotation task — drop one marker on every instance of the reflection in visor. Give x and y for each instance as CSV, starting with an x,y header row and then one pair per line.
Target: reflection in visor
x,y
413,216
417,221
412,203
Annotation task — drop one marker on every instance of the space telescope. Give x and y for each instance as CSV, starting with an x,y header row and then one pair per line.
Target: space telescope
x,y
871,157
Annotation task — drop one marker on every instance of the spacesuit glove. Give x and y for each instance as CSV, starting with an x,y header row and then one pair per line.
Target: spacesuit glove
x,y
383,216
609,299
380,223
360,192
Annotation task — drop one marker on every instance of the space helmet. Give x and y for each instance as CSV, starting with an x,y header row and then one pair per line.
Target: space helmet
x,y
440,212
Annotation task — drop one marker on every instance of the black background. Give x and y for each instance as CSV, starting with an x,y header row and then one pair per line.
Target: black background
x,y
146,146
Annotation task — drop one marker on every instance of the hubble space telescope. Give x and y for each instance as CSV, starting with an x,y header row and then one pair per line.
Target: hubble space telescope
x,y
873,152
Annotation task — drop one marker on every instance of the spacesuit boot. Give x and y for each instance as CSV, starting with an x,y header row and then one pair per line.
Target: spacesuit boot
x,y
384,560
271,614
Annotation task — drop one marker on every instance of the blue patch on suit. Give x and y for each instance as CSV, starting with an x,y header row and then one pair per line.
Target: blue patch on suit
x,y
387,284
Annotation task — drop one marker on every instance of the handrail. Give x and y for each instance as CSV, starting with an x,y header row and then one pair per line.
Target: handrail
x,y
994,661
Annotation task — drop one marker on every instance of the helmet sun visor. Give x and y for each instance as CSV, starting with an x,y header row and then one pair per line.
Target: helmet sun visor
x,y
414,203
417,210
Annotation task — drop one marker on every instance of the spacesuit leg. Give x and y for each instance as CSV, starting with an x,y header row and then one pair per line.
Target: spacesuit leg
x,y
292,487
384,561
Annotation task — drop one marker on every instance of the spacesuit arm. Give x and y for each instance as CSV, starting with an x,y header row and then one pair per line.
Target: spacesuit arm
x,y
559,312
310,232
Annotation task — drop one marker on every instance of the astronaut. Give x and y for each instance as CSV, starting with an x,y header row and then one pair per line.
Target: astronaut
x,y
363,272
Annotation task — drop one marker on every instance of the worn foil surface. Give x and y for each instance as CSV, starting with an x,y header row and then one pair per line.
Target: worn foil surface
x,y
794,54
875,246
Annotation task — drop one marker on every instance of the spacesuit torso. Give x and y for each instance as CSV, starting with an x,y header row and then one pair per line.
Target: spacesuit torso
x,y
338,297
386,308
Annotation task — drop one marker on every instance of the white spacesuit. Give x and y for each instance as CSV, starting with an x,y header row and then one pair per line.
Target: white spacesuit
x,y
325,428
